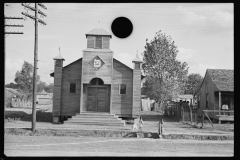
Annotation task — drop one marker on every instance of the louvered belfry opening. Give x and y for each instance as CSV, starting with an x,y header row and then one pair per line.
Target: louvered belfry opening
x,y
98,43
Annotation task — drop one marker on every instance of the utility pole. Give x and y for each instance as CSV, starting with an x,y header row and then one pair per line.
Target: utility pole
x,y
7,25
35,54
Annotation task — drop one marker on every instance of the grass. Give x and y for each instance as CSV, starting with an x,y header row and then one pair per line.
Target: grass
x,y
41,116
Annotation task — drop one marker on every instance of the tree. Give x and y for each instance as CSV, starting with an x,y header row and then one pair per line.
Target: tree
x,y
165,75
49,88
41,86
193,82
12,85
24,78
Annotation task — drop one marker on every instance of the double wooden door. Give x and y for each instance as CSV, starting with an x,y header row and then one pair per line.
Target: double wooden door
x,y
97,99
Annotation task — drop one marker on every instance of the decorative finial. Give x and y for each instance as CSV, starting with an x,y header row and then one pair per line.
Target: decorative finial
x,y
137,54
59,51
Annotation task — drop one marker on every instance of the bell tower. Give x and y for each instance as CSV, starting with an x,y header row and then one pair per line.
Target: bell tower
x,y
57,91
97,60
136,86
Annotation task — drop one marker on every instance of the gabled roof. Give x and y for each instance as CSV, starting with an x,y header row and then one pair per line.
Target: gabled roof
x,y
98,31
222,78
43,93
15,92
52,74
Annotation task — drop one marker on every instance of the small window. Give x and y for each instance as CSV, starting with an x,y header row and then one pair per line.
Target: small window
x,y
122,88
72,87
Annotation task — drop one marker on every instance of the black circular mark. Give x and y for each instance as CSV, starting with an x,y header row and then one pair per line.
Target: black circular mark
x,y
122,27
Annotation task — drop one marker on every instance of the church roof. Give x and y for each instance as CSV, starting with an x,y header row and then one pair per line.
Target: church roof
x,y
98,31
52,74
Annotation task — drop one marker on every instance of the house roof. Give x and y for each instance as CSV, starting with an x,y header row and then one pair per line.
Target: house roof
x,y
52,74
222,78
15,92
43,93
98,31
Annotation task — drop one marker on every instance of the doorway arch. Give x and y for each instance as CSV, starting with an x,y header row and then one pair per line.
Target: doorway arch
x,y
96,81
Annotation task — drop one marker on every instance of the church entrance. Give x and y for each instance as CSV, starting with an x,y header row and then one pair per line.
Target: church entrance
x,y
97,96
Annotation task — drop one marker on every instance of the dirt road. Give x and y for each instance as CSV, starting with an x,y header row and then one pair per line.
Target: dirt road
x,y
98,146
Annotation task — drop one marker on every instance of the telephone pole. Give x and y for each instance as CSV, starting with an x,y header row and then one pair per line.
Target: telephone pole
x,y
8,25
36,10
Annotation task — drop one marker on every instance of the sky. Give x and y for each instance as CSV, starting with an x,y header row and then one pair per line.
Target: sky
x,y
203,33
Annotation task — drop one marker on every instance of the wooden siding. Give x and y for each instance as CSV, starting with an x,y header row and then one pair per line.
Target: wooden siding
x,y
90,41
106,42
71,101
122,104
89,72
57,90
136,92
208,87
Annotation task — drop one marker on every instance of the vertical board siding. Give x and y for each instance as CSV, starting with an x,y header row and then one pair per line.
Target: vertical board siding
x,y
121,104
136,92
89,72
57,89
71,101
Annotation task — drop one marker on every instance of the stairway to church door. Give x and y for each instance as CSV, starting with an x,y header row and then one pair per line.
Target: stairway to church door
x,y
97,99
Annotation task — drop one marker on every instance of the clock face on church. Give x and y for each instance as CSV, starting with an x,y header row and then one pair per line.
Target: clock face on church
x,y
96,63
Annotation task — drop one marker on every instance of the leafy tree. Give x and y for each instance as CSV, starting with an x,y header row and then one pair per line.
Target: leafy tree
x,y
165,75
41,86
24,78
193,81
12,85
49,88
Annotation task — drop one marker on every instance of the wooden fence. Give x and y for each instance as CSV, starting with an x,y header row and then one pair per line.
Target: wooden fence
x,y
21,103
193,115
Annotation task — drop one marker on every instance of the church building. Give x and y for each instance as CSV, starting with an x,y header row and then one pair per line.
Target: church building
x,y
97,82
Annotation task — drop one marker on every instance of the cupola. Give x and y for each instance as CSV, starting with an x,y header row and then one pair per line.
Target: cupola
x,y
98,38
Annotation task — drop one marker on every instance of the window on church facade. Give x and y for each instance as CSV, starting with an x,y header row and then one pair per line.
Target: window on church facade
x,y
72,87
122,89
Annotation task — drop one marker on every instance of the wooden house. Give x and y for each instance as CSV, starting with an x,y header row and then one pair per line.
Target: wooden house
x,y
44,98
217,88
97,82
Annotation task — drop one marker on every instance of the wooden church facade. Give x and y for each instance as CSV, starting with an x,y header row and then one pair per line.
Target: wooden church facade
x,y
97,82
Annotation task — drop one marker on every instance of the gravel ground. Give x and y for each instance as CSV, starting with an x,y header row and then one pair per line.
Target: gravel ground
x,y
98,146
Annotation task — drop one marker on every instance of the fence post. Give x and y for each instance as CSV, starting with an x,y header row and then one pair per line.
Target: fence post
x,y
202,119
190,114
160,128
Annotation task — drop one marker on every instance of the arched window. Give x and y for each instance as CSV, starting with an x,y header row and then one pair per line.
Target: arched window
x,y
96,81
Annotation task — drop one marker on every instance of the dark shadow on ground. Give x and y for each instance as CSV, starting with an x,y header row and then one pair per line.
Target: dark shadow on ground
x,y
15,114
40,116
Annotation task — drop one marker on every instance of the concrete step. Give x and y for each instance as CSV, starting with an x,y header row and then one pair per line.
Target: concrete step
x,y
94,113
95,116
94,120
95,123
